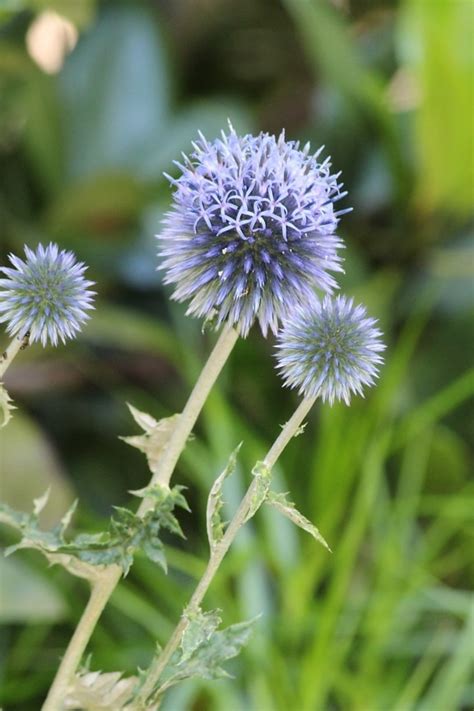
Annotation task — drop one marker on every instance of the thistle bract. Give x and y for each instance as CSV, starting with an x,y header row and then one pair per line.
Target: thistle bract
x,y
251,232
330,349
46,295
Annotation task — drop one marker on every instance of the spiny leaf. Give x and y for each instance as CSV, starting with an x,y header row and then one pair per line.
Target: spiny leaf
x,y
288,509
127,534
41,501
262,478
300,430
199,629
6,406
50,543
164,497
205,653
96,691
165,500
67,518
215,524
154,551
143,419
156,437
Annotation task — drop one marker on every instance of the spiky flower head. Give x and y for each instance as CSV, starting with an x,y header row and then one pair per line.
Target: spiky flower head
x,y
330,349
251,232
46,295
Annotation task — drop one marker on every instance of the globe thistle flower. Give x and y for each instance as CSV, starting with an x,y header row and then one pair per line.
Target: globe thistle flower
x,y
45,296
251,232
330,349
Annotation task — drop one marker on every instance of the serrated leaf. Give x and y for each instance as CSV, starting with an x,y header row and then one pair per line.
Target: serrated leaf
x,y
155,552
97,691
156,437
165,500
205,653
164,497
50,543
262,478
127,534
199,629
6,406
288,509
214,522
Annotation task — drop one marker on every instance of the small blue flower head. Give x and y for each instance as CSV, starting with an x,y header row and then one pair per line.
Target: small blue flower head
x,y
46,295
251,232
330,349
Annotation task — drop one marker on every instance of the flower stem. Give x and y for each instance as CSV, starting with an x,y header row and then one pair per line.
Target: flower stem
x,y
158,665
19,343
100,593
110,575
193,407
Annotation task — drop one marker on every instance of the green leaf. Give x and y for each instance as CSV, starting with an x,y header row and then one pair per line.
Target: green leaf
x,y
205,650
199,629
127,534
165,500
6,406
288,509
262,478
154,551
215,524
50,543
156,437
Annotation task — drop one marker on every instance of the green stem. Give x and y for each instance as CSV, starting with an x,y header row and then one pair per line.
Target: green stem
x,y
110,575
241,516
19,343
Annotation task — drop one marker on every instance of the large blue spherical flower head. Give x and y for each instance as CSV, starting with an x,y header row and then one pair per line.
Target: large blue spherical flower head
x,y
45,296
330,349
251,232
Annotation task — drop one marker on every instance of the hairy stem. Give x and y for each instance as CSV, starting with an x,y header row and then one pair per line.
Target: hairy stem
x,y
241,516
19,343
110,575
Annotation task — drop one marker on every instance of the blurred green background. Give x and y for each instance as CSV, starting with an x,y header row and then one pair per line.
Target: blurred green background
x,y
91,113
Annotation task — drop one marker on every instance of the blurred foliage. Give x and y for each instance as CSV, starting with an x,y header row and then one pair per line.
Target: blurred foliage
x,y
386,621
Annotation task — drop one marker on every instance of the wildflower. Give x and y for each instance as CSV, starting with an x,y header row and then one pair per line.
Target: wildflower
x,y
330,349
46,295
251,232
